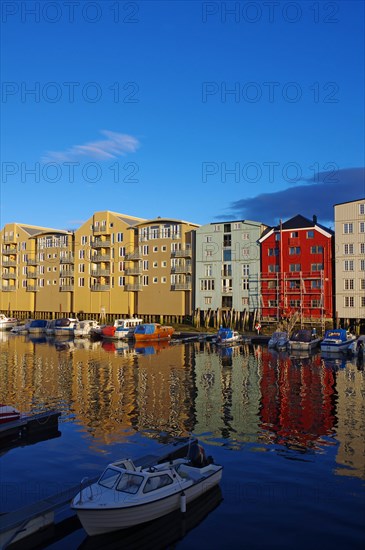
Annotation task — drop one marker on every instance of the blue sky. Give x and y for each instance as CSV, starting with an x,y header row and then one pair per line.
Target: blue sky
x,y
192,110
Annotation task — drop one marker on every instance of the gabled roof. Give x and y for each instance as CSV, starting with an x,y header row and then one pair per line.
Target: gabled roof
x,y
348,202
297,222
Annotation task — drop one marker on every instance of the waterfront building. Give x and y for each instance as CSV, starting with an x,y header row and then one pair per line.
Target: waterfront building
x,y
228,266
350,262
101,275
30,257
297,271
161,266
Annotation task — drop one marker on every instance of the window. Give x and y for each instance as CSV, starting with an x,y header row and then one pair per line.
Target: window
x,y
245,284
208,238
155,280
163,263
163,248
163,280
316,283
348,227
273,268
145,265
316,249
155,264
155,249
145,280
245,301
294,250
294,267
226,285
349,301
207,284
362,284
227,255
122,251
81,268
81,281
237,225
81,254
316,303
227,270
119,237
348,265
348,249
227,301
207,300
294,285
293,234
273,303
316,267
245,270
362,208
217,228
245,252
227,227
84,239
145,250
208,270
362,248
362,227
227,240
277,236
245,236
348,284
310,234
294,303
121,266
362,301
273,251
362,265
121,281
271,284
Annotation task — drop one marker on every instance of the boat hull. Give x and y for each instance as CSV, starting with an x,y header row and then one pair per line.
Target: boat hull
x,y
332,347
303,346
97,522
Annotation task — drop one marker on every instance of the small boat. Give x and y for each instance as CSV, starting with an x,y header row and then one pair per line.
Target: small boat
x,y
65,326
226,336
7,323
50,327
126,495
83,328
336,340
152,331
122,329
357,348
303,339
278,340
8,414
21,329
37,326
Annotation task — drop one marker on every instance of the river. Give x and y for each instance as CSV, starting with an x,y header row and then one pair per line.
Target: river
x,y
288,429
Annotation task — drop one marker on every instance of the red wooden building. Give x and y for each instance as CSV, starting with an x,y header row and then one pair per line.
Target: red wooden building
x,y
296,270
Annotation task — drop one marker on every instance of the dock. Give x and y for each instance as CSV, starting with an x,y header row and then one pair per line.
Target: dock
x,y
30,426
29,520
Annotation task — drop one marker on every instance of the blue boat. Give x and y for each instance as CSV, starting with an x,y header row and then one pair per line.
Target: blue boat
x,y
37,326
226,336
336,340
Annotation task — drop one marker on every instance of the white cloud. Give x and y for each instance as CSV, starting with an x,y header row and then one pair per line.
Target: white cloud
x,y
114,146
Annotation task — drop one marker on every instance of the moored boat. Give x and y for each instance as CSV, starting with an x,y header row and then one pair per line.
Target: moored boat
x,y
8,414
122,329
278,340
152,331
65,326
37,326
303,339
126,495
227,336
357,347
337,340
7,323
83,328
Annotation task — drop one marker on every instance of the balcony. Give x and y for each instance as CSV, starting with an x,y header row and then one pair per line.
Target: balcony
x,y
100,228
32,288
9,276
8,288
135,255
9,263
100,258
66,288
133,271
100,243
181,286
133,288
100,288
10,239
67,259
100,273
184,253
9,250
32,275
67,273
181,269
32,261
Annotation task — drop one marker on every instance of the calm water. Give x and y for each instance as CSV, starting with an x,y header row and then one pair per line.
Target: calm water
x,y
289,430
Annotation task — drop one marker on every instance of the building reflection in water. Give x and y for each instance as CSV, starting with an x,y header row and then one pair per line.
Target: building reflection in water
x,y
236,395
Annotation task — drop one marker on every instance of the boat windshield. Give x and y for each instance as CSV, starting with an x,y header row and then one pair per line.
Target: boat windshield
x,y
109,478
129,483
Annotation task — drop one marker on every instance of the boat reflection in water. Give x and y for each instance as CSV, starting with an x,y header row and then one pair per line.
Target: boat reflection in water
x,y
151,348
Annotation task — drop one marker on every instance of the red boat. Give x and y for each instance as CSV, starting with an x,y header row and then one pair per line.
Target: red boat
x,y
8,414
152,331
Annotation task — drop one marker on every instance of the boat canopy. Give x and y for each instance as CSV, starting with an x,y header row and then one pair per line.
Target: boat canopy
x,y
303,335
336,334
146,328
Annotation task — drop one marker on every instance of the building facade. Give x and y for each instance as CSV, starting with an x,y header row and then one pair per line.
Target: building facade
x,y
350,262
228,265
297,271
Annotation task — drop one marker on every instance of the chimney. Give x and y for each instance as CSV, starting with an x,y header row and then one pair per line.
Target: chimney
x,y
314,219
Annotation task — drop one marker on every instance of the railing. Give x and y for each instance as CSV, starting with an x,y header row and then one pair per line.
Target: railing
x,y
135,255
9,239
32,275
100,272
32,261
9,263
133,288
67,273
181,269
9,275
100,258
9,288
9,250
66,288
181,286
185,253
99,243
32,288
100,288
67,259
133,271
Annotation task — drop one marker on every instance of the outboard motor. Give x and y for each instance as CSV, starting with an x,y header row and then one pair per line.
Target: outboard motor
x,y
197,455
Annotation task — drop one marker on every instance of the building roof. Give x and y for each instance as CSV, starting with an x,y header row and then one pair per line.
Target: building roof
x,y
163,220
297,222
348,202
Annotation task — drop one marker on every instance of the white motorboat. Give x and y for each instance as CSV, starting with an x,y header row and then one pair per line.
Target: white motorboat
x,y
122,329
7,323
336,340
37,326
126,495
65,326
278,340
227,336
21,329
83,328
303,340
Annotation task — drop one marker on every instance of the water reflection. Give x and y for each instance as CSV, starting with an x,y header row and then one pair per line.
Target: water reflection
x,y
234,396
